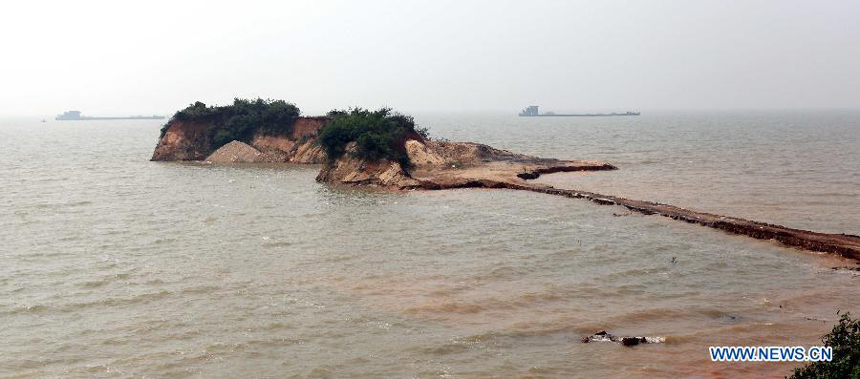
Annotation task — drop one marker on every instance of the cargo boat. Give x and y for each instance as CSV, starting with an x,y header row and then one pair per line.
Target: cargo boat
x,y
76,115
532,111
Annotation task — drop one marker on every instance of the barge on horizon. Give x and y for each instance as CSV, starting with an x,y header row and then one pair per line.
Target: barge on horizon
x,y
76,115
532,111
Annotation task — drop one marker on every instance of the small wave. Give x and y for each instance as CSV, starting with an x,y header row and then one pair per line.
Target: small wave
x,y
93,284
275,326
36,308
46,254
443,308
635,272
163,241
501,272
114,341
832,194
446,349
339,258
650,315
112,302
277,244
103,281
678,340
200,289
716,314
487,337
274,342
541,297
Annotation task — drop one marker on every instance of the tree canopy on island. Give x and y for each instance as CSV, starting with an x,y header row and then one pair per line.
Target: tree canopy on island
x,y
378,134
240,120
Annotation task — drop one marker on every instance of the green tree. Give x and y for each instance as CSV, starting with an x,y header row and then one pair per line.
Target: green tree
x,y
379,134
240,120
845,341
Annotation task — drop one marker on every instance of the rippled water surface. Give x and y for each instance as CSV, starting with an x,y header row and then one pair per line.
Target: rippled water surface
x,y
113,266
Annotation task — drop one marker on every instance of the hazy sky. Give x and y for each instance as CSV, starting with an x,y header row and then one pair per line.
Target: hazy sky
x,y
118,57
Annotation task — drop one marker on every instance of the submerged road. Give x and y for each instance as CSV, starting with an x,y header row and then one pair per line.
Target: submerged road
x,y
845,245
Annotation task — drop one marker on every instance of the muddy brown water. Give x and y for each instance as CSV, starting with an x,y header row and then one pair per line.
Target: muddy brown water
x,y
113,266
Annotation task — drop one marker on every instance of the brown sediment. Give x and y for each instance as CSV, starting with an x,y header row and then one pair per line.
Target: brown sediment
x,y
845,245
441,165
235,152
447,165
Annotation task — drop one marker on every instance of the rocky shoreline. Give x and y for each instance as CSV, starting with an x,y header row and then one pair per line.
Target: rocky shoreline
x,y
437,165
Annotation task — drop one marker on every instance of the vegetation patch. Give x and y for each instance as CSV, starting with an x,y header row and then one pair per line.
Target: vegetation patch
x,y
845,341
379,134
240,120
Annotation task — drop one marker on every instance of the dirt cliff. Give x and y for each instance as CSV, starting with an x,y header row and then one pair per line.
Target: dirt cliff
x,y
351,170
190,141
183,141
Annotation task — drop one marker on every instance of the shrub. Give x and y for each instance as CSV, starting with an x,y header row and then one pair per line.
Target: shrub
x,y
240,120
845,341
378,134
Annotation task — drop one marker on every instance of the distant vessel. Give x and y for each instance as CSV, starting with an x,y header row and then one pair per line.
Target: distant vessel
x,y
76,115
532,111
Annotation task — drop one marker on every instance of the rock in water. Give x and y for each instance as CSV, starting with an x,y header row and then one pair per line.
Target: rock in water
x,y
632,341
235,152
603,336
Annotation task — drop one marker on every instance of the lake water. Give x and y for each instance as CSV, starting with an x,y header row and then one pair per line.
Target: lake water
x,y
114,266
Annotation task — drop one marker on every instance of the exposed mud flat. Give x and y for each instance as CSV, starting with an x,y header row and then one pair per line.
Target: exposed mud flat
x,y
444,165
845,245
440,165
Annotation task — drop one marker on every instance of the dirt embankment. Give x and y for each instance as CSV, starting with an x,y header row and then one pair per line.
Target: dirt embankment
x,y
442,165
190,142
183,141
845,245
